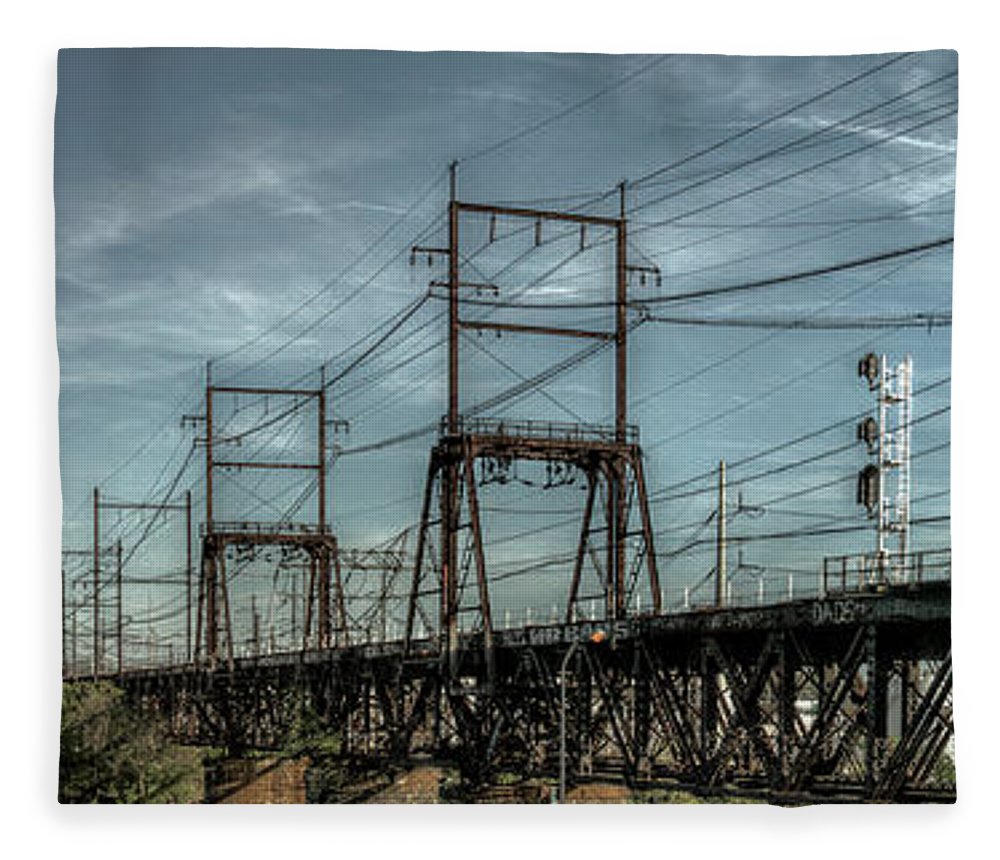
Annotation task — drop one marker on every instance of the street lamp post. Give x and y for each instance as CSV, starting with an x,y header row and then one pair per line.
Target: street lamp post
x,y
597,637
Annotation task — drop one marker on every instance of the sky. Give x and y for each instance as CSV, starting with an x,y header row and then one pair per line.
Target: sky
x,y
256,209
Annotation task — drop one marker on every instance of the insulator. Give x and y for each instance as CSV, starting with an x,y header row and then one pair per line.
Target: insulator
x,y
430,260
583,236
493,228
642,280
413,258
538,232
659,279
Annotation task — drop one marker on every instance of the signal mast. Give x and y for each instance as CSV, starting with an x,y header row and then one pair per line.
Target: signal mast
x,y
884,485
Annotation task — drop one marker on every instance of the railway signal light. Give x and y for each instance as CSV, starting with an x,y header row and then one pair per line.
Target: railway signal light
x,y
868,432
868,368
868,487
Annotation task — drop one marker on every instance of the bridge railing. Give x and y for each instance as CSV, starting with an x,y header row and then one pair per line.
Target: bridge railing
x,y
559,430
244,527
863,572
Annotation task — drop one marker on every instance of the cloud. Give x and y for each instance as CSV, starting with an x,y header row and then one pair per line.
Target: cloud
x,y
202,196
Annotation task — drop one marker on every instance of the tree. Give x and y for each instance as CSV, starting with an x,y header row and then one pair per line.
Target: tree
x,y
110,753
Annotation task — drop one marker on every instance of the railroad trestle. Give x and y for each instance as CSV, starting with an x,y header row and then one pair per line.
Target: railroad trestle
x,y
846,697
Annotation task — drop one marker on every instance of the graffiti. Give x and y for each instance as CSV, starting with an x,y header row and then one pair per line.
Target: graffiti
x,y
848,611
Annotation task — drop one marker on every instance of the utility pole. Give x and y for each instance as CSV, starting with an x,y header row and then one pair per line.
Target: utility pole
x,y
321,445
449,494
97,584
73,655
720,540
619,520
63,604
187,571
209,466
118,603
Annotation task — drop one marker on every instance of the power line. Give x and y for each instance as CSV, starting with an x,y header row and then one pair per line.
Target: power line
x,y
719,291
566,112
798,440
918,320
771,119
421,197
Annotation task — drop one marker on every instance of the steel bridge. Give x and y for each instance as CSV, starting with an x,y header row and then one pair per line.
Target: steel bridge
x,y
845,696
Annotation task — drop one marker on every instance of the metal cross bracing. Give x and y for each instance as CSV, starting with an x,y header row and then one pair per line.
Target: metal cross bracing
x,y
842,698
107,583
221,538
844,695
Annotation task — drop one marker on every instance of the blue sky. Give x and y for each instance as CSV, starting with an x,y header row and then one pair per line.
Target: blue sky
x,y
204,195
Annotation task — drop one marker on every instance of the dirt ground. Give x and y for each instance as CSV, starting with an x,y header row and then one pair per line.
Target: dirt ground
x,y
599,793
266,781
420,785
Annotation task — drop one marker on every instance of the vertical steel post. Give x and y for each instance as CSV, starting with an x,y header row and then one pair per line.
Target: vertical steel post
x,y
199,619
208,448
118,604
581,549
187,569
621,330
883,453
610,587
480,557
210,575
63,604
453,323
382,601
720,545
321,446
621,404
323,598
224,586
307,615
209,549
339,595
449,495
295,600
97,585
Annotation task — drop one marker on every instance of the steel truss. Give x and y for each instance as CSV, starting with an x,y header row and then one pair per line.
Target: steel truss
x,y
613,471
830,699
845,697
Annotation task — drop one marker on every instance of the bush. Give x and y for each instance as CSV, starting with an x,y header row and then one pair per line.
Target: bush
x,y
109,753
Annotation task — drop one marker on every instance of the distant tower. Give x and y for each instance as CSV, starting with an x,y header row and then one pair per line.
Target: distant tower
x,y
884,487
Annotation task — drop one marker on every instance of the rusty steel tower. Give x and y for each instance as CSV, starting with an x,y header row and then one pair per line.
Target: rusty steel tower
x,y
609,456
313,540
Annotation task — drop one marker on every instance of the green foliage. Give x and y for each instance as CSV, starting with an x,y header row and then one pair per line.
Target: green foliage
x,y
310,735
110,753
944,771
